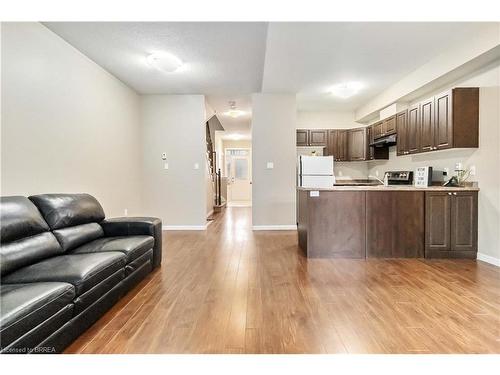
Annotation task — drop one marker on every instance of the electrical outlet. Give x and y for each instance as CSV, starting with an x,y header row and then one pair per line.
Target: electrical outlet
x,y
458,166
340,173
270,165
473,170
125,212
376,173
196,166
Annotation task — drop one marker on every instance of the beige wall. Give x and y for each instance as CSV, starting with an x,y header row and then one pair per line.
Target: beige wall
x,y
67,124
174,124
486,158
273,139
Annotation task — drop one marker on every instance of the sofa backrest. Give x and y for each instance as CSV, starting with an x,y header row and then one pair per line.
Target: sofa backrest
x,y
25,236
73,218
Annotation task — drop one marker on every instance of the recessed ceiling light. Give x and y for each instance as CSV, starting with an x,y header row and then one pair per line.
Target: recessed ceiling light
x,y
346,90
164,61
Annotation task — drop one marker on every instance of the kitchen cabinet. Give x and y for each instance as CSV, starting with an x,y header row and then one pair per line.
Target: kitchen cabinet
x,y
451,224
402,131
443,131
302,137
312,137
318,137
413,130
394,224
337,144
427,125
370,139
384,127
377,129
357,147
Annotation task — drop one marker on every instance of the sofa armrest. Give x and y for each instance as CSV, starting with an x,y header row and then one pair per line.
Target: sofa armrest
x,y
130,226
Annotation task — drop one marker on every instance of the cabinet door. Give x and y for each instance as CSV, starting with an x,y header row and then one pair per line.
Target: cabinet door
x,y
378,129
443,126
427,125
437,222
464,221
333,143
302,137
389,126
369,138
318,137
356,144
342,145
401,128
413,129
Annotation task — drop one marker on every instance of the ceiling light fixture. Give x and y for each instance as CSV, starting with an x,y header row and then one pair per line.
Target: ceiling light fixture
x,y
346,90
164,61
233,112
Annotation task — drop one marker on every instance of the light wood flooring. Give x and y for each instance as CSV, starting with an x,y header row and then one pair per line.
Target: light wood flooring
x,y
231,290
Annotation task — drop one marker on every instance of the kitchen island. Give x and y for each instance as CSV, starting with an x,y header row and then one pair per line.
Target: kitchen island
x,y
388,222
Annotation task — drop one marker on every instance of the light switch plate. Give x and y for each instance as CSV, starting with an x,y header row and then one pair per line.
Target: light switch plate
x,y
270,165
314,193
165,166
196,166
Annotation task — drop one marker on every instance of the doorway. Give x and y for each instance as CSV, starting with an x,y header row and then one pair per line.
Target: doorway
x,y
238,167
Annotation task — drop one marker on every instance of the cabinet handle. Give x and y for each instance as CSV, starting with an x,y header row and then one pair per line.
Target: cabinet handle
x,y
449,193
454,193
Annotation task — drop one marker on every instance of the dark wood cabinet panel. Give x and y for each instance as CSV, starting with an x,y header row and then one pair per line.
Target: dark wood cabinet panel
x,y
401,129
437,221
427,125
463,221
378,129
302,137
318,137
450,224
337,144
413,129
465,116
357,144
389,126
336,225
395,224
443,131
370,139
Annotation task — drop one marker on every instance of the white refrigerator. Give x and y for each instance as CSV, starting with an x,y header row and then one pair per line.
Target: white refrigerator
x,y
315,171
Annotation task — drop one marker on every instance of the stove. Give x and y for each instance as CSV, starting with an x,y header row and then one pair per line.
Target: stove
x,y
400,177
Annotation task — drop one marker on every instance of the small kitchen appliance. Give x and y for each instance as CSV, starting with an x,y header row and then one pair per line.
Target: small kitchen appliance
x,y
399,177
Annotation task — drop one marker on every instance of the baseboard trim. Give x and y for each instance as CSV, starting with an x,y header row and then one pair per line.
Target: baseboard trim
x,y
488,259
184,227
274,227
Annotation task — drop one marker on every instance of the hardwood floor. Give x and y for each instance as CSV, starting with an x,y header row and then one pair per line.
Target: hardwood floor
x,y
231,290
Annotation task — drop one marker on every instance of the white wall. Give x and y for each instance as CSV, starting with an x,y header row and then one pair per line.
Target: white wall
x,y
174,124
273,140
334,120
67,124
486,158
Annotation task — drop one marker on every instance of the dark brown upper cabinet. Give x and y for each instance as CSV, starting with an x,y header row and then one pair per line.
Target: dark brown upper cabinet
x,y
427,125
377,129
302,137
384,127
357,145
337,144
451,224
318,137
402,131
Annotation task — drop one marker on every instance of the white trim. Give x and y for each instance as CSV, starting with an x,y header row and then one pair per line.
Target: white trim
x,y
184,227
488,259
274,227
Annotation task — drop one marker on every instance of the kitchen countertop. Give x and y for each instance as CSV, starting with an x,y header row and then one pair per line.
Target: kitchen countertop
x,y
355,187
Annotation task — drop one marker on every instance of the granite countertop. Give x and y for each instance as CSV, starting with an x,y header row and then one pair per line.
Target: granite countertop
x,y
371,187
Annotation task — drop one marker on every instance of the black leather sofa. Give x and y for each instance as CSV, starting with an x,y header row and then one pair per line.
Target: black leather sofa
x,y
63,265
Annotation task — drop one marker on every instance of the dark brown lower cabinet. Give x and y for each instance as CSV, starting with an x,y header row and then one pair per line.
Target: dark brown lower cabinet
x,y
395,224
451,224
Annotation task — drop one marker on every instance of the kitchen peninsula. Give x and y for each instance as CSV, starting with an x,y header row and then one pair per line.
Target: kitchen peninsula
x,y
388,222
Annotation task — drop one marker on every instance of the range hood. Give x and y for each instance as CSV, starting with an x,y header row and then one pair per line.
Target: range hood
x,y
386,141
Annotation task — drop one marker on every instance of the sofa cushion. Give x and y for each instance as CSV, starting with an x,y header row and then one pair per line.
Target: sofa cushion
x,y
72,237
25,306
132,246
67,210
20,218
24,235
81,270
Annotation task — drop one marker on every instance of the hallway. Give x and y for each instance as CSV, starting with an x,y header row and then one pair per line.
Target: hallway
x,y
231,290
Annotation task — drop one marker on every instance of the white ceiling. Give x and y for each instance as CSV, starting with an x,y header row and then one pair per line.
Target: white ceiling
x,y
308,58
229,61
238,128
